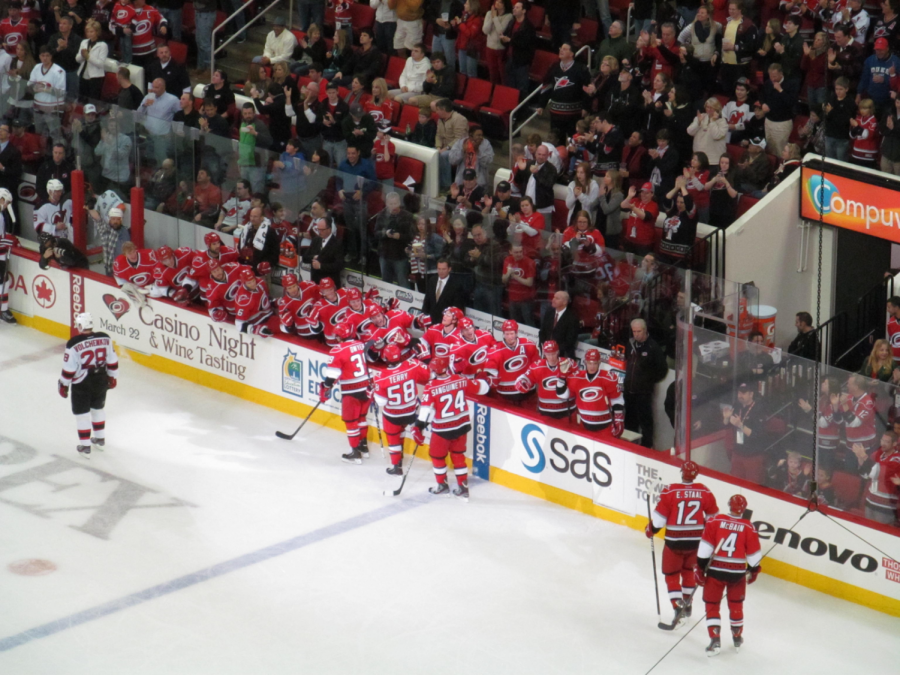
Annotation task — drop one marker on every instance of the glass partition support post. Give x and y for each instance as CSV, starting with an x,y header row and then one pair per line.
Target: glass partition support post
x,y
137,216
688,347
79,221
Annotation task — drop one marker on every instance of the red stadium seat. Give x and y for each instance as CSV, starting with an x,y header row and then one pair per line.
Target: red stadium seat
x,y
110,91
799,122
722,99
461,80
299,34
735,152
495,115
773,162
563,156
363,16
409,115
394,70
478,93
329,16
745,203
187,18
541,63
409,167
587,33
536,16
560,215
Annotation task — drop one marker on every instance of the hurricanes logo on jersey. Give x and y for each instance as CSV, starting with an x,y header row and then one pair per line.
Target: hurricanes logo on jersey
x,y
591,394
479,356
142,27
515,363
117,306
563,82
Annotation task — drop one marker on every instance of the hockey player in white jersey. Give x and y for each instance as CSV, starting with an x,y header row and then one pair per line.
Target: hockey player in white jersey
x,y
55,216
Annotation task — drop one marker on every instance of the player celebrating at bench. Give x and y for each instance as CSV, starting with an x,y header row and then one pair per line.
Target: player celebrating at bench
x,y
598,396
468,356
509,359
347,366
134,266
295,306
215,250
548,376
172,275
329,311
219,288
253,308
439,339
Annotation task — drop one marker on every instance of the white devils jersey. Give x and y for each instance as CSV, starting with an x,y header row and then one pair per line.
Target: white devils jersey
x,y
55,219
86,354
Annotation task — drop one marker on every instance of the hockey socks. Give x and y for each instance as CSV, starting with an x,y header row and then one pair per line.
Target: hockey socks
x,y
98,422
459,467
396,454
440,469
83,422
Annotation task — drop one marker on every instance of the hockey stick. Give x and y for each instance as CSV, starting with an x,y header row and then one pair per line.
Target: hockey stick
x,y
287,437
396,493
683,608
377,420
653,555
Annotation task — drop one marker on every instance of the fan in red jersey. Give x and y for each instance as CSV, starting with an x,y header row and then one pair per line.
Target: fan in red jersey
x,y
397,394
439,339
215,250
728,559
598,396
172,275
469,356
548,376
347,366
445,405
683,509
252,306
134,265
219,289
857,414
882,470
329,311
893,326
295,306
508,359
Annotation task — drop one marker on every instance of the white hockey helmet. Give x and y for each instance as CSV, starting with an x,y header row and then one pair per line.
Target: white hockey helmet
x,y
53,184
84,322
6,195
116,212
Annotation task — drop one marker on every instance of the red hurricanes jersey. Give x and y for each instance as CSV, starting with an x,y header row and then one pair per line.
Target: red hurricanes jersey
x,y
506,364
438,342
140,273
469,358
595,395
250,305
121,16
165,277
739,545
200,261
683,510
219,295
145,24
445,404
397,390
546,378
12,34
893,331
327,314
881,492
347,365
381,112
859,421
294,312
398,322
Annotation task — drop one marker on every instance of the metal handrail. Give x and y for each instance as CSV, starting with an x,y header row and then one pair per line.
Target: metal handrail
x,y
259,15
513,132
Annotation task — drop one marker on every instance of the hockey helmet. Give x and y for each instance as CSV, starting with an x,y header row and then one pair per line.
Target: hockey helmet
x,y
401,338
392,354
264,268
6,195
164,252
592,355
343,331
373,311
211,237
54,185
246,273
550,347
510,325
465,323
353,294
440,364
689,471
84,322
326,284
214,265
737,505
288,280
455,312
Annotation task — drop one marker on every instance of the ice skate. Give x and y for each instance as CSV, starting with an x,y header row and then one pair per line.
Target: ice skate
x,y
439,489
364,448
680,613
688,606
738,641
7,317
715,646
462,492
394,470
84,450
99,442
353,457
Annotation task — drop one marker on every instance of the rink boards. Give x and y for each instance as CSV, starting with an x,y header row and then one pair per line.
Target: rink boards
x,y
508,446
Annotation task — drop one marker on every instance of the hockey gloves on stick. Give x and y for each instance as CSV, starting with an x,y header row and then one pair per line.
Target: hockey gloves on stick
x,y
618,425
418,434
752,573
324,393
699,575
650,530
63,390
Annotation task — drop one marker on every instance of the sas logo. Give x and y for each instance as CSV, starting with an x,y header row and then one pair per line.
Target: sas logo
x,y
532,441
822,192
292,375
404,296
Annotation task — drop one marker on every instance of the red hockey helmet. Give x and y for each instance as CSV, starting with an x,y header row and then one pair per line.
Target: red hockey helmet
x,y
509,324
456,312
164,252
592,355
737,505
214,264
373,311
465,323
440,364
550,347
401,338
246,273
343,331
264,268
392,354
288,280
210,237
326,283
353,294
689,471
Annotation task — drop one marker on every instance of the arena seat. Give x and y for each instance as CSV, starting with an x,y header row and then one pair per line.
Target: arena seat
x,y
587,32
409,167
409,115
461,79
110,91
179,52
394,71
847,489
735,152
478,93
495,115
363,16
541,63
745,203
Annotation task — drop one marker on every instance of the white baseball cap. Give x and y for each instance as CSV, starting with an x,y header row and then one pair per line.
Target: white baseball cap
x,y
90,108
116,212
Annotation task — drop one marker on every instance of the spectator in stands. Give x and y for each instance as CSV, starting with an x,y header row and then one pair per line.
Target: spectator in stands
x,y
845,58
204,20
882,468
130,96
640,227
279,111
564,94
114,151
311,51
174,73
424,252
63,48
220,91
495,22
890,144
410,29
791,475
583,193
280,44
815,65
606,142
171,11
678,116
330,116
357,92
722,194
440,83
697,176
521,41
112,233
207,200
187,116
503,204
211,121
680,225
55,166
308,130
779,96
162,186
864,140
385,26
643,15
236,209
739,39
91,60
394,232
288,172
879,364
254,141
519,278
353,194
29,144
37,37
710,129
157,111
325,255
474,152
609,218
486,261
616,44
790,162
755,362
635,165
48,82
367,62
806,344
412,78
445,290
468,192
536,179
470,40
703,35
735,113
754,168
451,127
789,51
746,422
425,132
259,241
665,165
655,101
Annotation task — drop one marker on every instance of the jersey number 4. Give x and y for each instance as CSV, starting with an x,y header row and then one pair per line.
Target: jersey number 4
x,y
402,394
453,403
693,506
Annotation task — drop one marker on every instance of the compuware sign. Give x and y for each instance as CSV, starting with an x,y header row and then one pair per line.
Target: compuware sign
x,y
603,473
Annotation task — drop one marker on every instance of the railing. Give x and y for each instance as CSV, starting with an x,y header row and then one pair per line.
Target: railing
x,y
708,254
832,336
515,131
844,335
259,15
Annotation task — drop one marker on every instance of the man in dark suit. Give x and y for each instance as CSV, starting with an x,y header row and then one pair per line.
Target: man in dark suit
x,y
10,170
175,74
443,291
325,256
560,323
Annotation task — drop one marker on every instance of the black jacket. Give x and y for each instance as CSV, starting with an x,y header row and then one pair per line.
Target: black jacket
x,y
271,246
565,333
453,295
444,85
370,64
334,132
645,365
523,42
365,142
805,345
174,74
279,122
544,179
50,169
64,253
11,174
331,258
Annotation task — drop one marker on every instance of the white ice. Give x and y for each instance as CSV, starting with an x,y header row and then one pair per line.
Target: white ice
x,y
504,584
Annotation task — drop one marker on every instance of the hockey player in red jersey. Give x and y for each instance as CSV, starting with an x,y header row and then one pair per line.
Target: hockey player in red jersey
x,y
383,328
220,288
252,306
438,339
397,394
347,366
134,266
446,407
683,509
215,250
508,359
548,376
468,356
329,311
172,274
598,396
295,306
728,559
357,310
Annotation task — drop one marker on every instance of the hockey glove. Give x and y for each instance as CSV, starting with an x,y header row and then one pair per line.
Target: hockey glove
x,y
263,268
523,386
699,576
650,530
63,390
181,296
324,393
111,382
752,573
422,321
618,425
418,434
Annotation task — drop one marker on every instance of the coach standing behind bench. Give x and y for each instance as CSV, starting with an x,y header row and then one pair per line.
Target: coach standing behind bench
x,y
645,366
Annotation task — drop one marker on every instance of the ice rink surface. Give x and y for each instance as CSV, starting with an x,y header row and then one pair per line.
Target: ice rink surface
x,y
199,543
